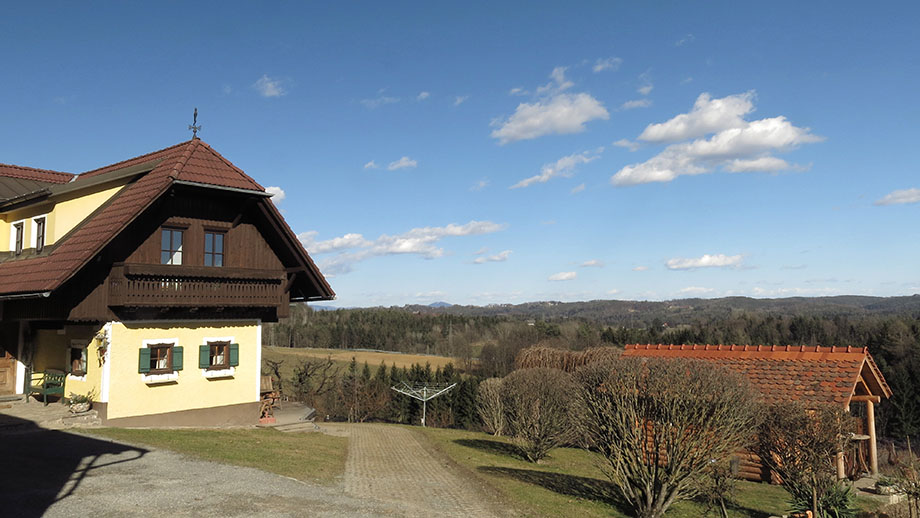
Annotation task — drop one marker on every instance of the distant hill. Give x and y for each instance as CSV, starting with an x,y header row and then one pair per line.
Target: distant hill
x,y
680,311
440,305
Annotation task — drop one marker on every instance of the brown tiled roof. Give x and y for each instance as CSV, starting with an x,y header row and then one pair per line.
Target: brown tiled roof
x,y
192,161
810,374
31,173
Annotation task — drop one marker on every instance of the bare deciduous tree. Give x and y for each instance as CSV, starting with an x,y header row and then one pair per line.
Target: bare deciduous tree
x,y
800,444
489,405
314,377
660,423
538,408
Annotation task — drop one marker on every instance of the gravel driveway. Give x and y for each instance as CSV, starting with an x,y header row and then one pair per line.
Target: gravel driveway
x,y
390,472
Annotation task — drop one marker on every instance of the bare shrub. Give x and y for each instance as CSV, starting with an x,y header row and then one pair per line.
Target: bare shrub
x,y
537,406
800,444
661,423
562,359
489,405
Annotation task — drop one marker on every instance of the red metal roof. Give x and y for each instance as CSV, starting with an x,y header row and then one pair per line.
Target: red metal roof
x,y
192,161
811,374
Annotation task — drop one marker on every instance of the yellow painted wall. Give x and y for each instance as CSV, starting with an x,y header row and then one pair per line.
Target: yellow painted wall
x,y
62,215
52,352
130,396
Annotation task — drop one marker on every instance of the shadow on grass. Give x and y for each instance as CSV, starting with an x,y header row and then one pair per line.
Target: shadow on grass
x,y
569,485
493,447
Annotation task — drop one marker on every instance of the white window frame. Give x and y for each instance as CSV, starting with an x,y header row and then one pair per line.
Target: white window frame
x,y
33,238
78,344
13,234
222,373
153,379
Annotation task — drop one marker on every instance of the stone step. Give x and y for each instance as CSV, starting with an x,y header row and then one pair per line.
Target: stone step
x,y
300,426
90,418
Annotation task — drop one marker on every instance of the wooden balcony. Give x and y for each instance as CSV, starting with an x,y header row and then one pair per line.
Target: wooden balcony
x,y
154,285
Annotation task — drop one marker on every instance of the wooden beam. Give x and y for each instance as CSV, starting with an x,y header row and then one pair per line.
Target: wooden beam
x,y
873,447
290,283
872,399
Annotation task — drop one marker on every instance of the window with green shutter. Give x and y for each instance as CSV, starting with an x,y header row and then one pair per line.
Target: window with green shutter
x,y
160,358
218,355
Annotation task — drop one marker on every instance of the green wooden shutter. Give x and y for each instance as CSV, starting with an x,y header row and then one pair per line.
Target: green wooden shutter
x,y
204,356
177,355
234,355
144,364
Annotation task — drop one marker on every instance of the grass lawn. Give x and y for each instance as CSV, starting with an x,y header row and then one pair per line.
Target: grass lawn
x,y
569,483
310,457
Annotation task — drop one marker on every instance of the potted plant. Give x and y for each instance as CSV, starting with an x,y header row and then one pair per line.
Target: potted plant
x,y
80,403
885,486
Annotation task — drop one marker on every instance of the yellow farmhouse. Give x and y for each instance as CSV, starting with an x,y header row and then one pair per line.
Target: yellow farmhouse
x,y
145,284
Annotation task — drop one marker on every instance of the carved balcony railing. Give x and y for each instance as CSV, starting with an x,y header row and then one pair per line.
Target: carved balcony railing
x,y
144,285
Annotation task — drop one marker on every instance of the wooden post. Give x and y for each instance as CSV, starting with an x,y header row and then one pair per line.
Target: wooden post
x,y
841,466
873,448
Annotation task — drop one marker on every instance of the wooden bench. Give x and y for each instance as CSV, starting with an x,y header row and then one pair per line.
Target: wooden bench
x,y
270,399
48,383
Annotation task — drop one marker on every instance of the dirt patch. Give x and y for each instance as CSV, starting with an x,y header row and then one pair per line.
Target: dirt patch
x,y
396,465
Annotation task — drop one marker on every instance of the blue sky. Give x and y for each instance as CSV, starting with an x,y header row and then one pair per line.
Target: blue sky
x,y
484,153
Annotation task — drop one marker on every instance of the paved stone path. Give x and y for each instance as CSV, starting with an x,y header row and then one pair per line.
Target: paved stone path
x,y
394,465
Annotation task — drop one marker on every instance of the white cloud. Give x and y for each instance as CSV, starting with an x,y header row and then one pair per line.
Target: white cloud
x,y
613,291
268,87
647,85
554,112
277,194
900,197
696,290
563,276
607,64
460,99
685,40
628,144
497,258
402,163
370,104
371,165
577,189
564,167
640,268
592,263
686,80
480,185
563,114
736,146
637,103
707,116
518,91
481,251
706,261
422,96
353,248
436,294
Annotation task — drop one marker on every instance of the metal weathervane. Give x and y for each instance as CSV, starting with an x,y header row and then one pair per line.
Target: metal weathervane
x,y
194,126
424,392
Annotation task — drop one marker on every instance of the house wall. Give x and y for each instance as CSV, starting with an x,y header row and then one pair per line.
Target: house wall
x,y
52,351
130,396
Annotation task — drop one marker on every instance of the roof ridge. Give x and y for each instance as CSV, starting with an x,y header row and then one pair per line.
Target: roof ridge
x,y
136,157
229,163
836,349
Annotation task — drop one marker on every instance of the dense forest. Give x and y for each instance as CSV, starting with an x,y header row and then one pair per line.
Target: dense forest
x,y
889,327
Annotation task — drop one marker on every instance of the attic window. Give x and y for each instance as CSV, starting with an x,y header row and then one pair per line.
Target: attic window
x,y
39,224
19,232
171,246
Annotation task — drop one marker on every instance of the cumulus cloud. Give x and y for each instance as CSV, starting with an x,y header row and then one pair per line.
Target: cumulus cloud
x,y
460,99
277,194
480,185
706,261
422,96
553,112
607,64
592,263
497,258
268,87
371,165
563,276
518,91
423,242
402,163
696,290
647,85
564,167
640,268
736,145
637,103
900,197
577,189
613,291
628,144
